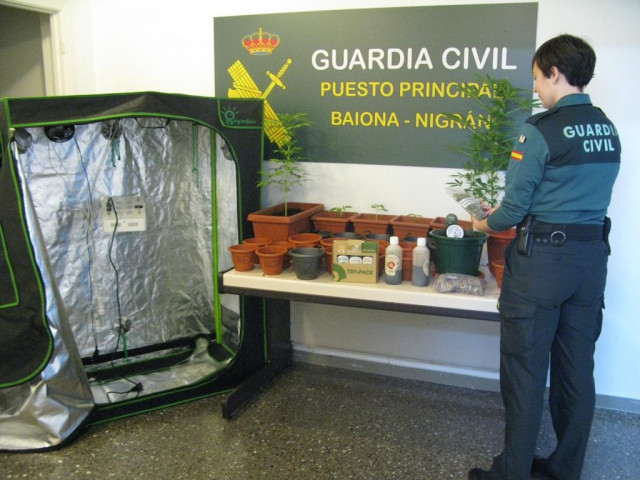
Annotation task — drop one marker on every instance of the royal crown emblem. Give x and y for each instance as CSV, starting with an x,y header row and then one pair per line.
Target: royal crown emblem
x,y
261,43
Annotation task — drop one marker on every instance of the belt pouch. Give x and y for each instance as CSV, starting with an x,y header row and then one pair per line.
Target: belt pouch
x,y
525,236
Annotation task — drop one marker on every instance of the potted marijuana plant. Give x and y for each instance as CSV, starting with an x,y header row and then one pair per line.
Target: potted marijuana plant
x,y
491,136
411,226
373,223
488,147
334,220
280,221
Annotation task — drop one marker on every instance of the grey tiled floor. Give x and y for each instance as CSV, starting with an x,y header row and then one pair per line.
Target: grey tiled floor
x,y
320,423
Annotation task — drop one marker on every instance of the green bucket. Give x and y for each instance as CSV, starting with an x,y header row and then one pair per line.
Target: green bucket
x,y
458,255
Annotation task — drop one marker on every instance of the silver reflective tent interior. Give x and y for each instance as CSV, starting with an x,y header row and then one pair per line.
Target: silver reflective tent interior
x,y
117,212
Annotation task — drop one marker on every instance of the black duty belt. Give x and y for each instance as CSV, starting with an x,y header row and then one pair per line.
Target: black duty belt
x,y
557,234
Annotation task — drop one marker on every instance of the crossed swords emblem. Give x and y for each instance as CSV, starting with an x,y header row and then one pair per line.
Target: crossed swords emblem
x,y
245,87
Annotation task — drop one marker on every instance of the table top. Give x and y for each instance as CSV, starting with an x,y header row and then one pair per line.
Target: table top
x,y
403,297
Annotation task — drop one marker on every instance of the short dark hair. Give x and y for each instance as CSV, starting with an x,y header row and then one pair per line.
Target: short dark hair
x,y
572,56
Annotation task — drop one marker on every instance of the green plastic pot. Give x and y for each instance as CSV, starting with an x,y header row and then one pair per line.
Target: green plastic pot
x,y
458,255
306,261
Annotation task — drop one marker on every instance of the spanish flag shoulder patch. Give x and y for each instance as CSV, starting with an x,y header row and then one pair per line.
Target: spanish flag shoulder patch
x,y
516,155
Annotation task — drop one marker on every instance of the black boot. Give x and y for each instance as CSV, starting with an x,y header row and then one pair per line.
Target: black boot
x,y
539,469
480,474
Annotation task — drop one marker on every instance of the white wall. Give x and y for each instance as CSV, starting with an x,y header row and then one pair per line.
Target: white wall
x,y
162,45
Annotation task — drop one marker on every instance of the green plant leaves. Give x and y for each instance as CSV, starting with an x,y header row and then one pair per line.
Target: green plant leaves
x,y
492,134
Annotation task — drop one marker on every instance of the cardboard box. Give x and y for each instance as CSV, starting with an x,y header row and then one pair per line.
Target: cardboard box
x,y
355,261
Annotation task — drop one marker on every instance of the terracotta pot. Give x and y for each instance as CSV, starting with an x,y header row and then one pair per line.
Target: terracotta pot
x,y
271,259
243,256
497,268
257,241
382,248
288,246
407,259
365,223
332,222
305,239
407,226
382,240
327,244
439,223
496,245
271,222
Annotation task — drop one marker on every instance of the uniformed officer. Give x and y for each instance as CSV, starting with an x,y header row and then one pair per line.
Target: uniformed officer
x,y
558,188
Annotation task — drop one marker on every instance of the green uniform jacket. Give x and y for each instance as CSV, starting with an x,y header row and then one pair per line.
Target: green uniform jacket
x,y
562,168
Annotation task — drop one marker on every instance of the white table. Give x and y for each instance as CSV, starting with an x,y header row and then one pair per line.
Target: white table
x,y
279,290
404,297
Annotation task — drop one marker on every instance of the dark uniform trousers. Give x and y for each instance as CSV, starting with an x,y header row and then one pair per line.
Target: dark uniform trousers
x,y
551,316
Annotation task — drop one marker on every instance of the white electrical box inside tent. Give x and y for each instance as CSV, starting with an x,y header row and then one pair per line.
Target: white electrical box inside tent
x,y
128,212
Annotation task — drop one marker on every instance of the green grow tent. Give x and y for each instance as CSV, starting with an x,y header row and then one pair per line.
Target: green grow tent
x,y
116,214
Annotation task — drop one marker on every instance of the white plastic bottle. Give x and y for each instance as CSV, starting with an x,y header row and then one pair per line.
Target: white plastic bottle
x,y
393,262
420,264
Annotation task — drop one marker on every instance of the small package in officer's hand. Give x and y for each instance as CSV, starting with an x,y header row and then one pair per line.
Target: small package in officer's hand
x,y
460,283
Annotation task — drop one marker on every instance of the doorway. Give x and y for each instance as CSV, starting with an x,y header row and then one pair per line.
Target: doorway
x,y
27,56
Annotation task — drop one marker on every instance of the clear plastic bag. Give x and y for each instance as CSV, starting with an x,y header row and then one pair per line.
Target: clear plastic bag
x,y
468,202
460,283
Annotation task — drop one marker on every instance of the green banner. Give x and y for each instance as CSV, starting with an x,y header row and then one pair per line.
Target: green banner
x,y
376,83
